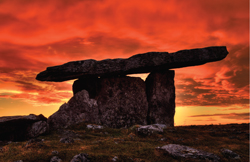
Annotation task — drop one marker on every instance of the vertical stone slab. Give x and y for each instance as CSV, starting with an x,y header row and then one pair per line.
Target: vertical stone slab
x,y
160,91
122,101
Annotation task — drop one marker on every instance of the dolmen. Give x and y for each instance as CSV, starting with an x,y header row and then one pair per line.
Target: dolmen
x,y
104,94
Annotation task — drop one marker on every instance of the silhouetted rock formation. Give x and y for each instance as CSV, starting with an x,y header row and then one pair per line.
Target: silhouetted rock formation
x,y
79,108
19,128
161,97
115,102
104,95
140,63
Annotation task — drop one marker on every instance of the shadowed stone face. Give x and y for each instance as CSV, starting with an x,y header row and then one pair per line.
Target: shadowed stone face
x,y
115,102
140,63
161,97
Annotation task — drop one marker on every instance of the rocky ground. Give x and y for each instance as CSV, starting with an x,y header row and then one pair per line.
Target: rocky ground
x,y
85,142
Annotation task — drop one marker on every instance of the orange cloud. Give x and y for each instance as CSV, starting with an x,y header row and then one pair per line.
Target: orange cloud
x,y
37,34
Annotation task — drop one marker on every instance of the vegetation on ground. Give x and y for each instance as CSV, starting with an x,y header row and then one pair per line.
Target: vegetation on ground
x,y
104,144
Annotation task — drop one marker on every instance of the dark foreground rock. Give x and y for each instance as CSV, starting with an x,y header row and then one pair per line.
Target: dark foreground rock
x,y
147,130
140,63
55,159
181,151
229,154
81,158
116,102
19,128
161,97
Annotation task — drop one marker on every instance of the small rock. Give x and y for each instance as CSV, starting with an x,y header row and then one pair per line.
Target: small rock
x,y
18,161
55,159
92,126
229,154
106,133
149,130
54,152
34,142
1,149
67,140
181,151
163,139
82,157
115,158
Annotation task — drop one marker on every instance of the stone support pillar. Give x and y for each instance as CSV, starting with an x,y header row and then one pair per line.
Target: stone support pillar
x,y
160,91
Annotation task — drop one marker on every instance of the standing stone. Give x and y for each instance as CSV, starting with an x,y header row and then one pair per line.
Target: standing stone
x,y
122,101
161,97
79,108
115,102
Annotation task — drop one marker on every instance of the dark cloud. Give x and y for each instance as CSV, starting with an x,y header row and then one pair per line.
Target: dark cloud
x,y
238,116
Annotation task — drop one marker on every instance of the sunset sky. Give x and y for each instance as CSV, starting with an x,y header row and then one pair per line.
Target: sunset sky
x,y
35,34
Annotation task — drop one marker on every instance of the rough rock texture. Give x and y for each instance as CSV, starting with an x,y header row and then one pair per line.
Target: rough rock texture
x,y
38,128
180,151
147,130
161,97
229,154
118,102
81,158
140,63
79,108
122,101
19,128
92,126
55,159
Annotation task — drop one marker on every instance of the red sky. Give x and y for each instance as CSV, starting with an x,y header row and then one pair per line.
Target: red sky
x,y
35,34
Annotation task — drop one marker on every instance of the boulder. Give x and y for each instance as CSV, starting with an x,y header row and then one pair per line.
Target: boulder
x,y
147,130
79,108
20,128
140,63
181,151
229,154
160,91
38,128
